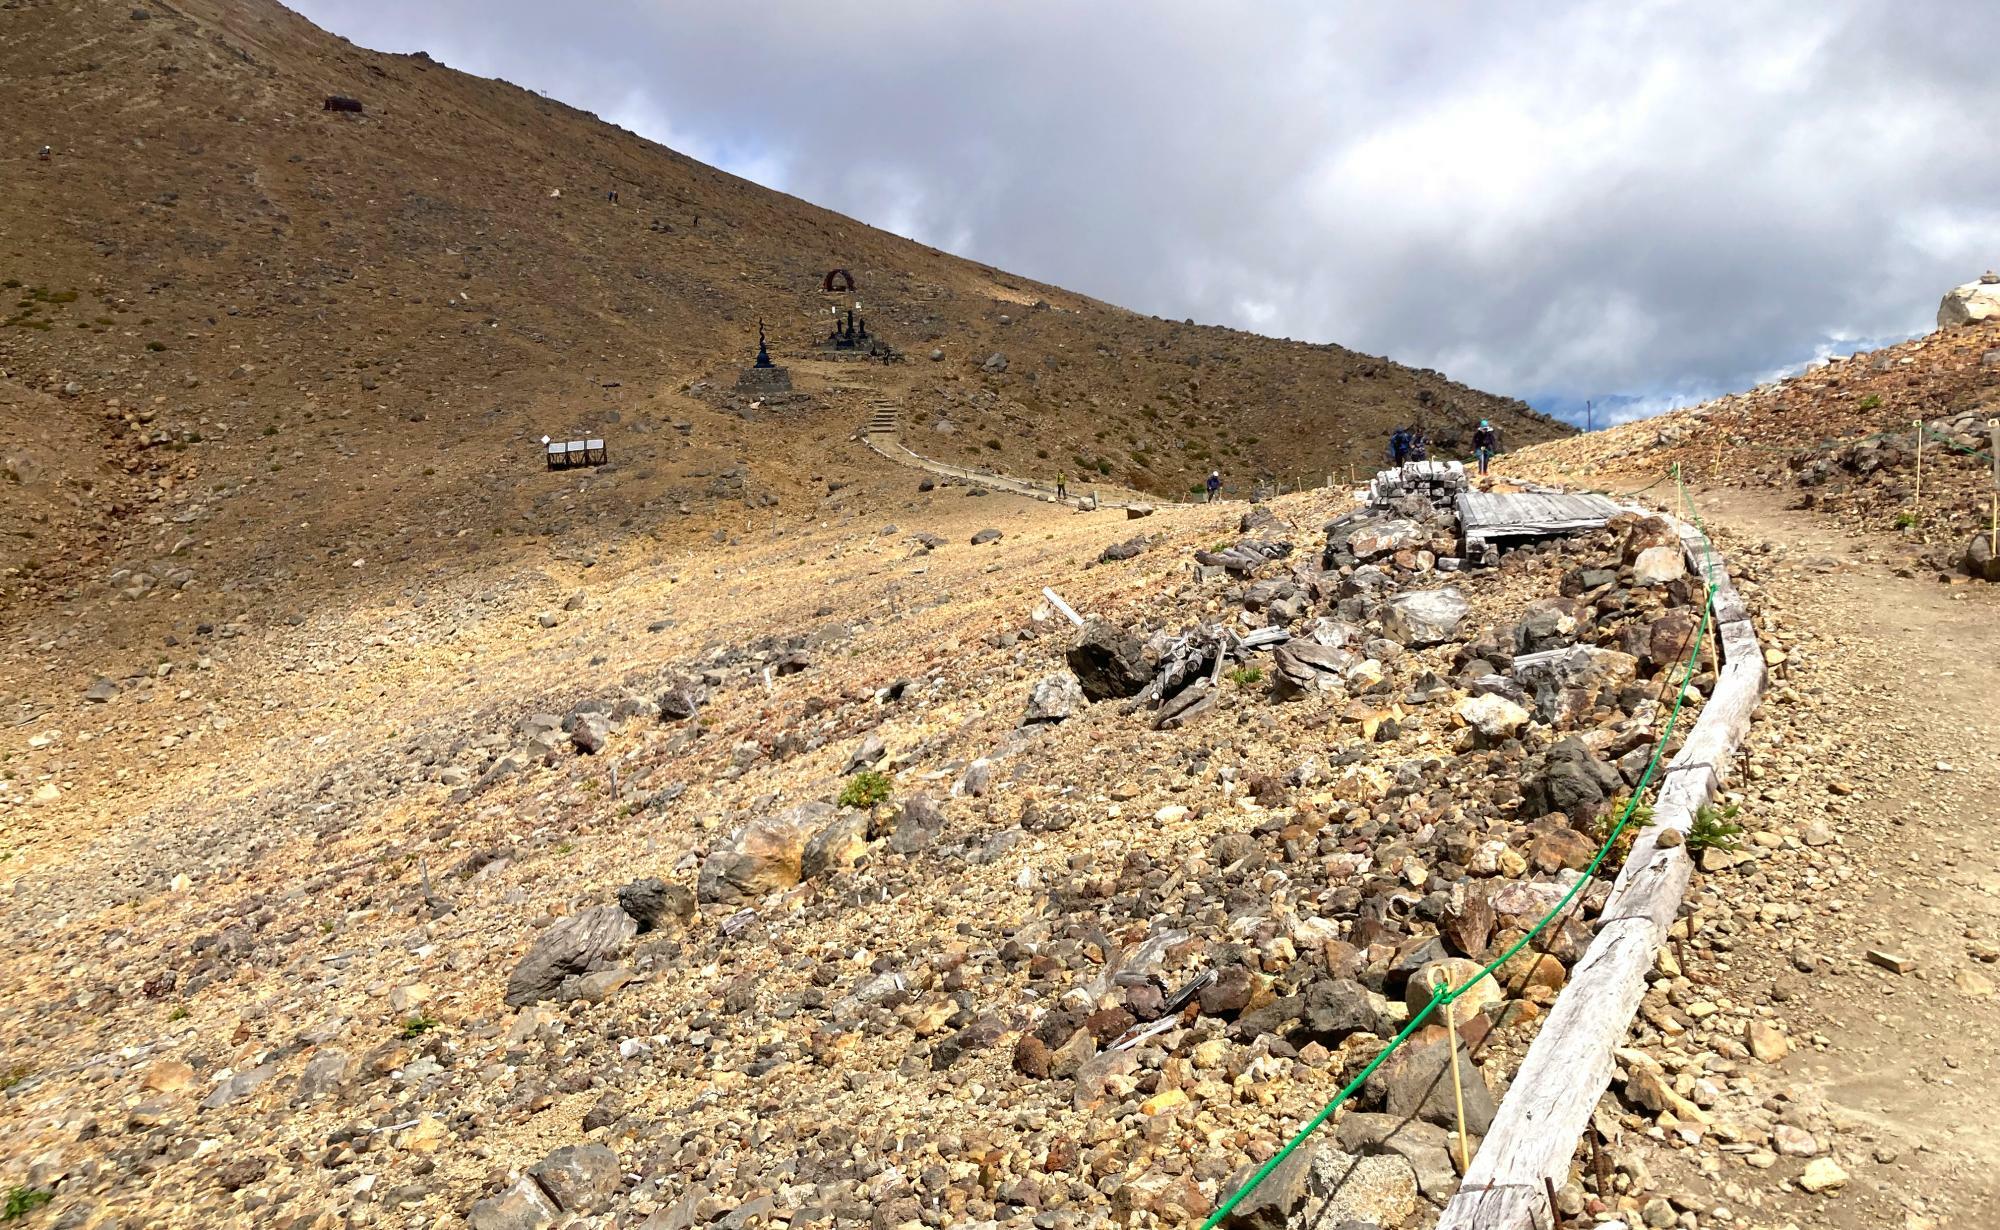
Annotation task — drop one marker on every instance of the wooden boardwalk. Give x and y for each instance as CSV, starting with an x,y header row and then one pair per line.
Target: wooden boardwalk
x,y
1484,517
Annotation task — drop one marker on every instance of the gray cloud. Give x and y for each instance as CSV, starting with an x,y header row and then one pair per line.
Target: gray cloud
x,y
1659,200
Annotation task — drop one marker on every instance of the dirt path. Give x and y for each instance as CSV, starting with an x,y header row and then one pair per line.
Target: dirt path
x,y
1877,748
883,437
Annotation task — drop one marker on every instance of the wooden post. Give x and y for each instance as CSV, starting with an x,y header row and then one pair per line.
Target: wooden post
x,y
1993,432
1438,983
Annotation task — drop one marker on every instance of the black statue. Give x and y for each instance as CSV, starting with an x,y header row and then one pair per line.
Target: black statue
x,y
763,354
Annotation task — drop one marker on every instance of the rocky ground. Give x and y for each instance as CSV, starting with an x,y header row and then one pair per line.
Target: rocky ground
x,y
834,879
1840,440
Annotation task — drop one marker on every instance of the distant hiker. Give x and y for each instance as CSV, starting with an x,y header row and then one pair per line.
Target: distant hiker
x,y
1485,443
1419,447
1399,446
1062,486
612,196
1214,484
42,154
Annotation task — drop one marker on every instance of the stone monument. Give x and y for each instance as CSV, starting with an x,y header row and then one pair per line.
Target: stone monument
x,y
764,377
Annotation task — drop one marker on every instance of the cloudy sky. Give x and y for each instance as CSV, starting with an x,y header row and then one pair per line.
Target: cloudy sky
x,y
1643,201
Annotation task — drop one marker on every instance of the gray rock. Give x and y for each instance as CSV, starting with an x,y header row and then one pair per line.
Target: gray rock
x,y
1425,1146
326,1072
1426,617
1568,778
937,353
1272,1203
568,947
652,901
918,826
1416,1080
985,536
870,752
580,1178
590,732
1108,662
681,700
100,692
521,1207
1056,697
995,362
239,1086
1342,1188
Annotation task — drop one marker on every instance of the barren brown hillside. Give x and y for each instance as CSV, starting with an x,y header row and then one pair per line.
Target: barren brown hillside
x,y
313,329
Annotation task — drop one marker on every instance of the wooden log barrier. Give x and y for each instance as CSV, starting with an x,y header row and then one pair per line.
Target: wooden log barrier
x,y
1569,1066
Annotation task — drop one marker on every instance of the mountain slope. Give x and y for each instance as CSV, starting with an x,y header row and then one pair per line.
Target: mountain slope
x,y
344,322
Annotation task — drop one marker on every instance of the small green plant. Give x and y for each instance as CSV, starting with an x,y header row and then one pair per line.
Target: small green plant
x,y
14,1075
1715,828
270,429
418,1025
12,283
178,1013
1906,521
1871,401
156,347
865,789
22,1201
565,847
1245,676
1642,817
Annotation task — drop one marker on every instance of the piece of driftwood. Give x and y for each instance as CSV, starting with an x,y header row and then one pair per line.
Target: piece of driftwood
x,y
1566,1071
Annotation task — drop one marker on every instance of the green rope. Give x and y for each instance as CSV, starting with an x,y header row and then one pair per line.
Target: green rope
x,y
1440,995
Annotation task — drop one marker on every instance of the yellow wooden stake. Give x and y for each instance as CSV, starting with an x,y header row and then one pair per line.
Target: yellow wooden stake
x,y
1993,427
1457,1085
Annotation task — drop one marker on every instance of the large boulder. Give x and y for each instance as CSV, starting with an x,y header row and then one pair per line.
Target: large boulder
x,y
1109,662
1301,666
1426,617
762,856
1971,303
1495,717
1979,559
1374,540
566,947
837,847
1547,624
1416,1080
1568,778
1658,565
581,1178
1568,683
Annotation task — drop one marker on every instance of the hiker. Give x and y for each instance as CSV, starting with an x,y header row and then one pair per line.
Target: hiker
x,y
1399,446
1419,448
1485,443
1062,486
1214,484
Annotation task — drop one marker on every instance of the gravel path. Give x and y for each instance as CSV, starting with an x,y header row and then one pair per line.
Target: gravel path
x,y
1871,804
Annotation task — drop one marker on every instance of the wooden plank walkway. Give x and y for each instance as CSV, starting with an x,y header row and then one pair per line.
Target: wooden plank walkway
x,y
1483,516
